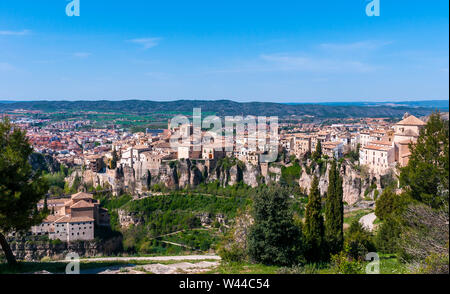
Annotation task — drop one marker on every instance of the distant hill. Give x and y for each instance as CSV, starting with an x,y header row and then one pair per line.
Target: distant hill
x,y
224,107
434,104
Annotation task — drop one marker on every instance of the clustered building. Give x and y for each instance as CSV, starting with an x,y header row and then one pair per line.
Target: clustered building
x,y
71,219
381,146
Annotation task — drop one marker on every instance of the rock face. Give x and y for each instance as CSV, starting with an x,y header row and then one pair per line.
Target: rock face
x,y
206,219
354,186
32,250
128,218
174,175
190,173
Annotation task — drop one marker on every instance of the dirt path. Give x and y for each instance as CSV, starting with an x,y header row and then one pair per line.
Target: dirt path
x,y
156,258
176,268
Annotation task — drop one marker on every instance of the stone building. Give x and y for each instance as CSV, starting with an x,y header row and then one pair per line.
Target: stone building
x,y
302,145
71,219
405,132
387,149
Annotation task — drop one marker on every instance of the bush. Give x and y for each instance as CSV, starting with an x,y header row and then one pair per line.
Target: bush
x,y
358,241
45,259
56,242
343,263
234,253
435,264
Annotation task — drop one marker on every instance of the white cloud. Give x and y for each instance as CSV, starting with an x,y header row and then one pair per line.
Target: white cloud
x,y
4,66
304,63
82,54
360,45
14,33
147,43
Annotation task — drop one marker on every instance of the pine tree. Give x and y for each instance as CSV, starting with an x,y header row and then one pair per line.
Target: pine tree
x,y
426,176
20,187
334,211
314,228
274,238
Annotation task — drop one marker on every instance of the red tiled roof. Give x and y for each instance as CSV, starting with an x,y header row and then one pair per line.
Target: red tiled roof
x,y
411,121
82,195
82,204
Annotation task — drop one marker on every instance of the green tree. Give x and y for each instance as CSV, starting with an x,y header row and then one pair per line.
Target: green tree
x,y
334,211
314,228
388,234
114,160
426,176
358,241
20,187
274,238
390,204
318,153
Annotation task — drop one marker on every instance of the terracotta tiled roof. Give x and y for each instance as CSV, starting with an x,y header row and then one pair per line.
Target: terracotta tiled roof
x,y
69,219
82,195
382,142
54,201
379,148
80,219
411,121
52,218
82,204
63,219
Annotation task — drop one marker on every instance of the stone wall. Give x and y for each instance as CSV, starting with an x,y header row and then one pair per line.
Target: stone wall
x,y
31,249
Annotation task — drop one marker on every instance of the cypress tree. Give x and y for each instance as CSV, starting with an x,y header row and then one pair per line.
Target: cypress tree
x,y
114,159
334,211
314,228
318,153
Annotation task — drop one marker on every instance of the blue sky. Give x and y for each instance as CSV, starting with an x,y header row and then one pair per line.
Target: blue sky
x,y
280,51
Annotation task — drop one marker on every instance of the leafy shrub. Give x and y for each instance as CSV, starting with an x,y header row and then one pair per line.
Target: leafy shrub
x,y
435,264
234,253
358,241
342,263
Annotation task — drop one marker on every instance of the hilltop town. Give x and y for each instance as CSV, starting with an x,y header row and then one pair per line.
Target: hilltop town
x,y
119,161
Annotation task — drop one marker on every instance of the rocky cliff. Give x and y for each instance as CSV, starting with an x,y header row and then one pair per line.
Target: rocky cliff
x,y
177,174
355,186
